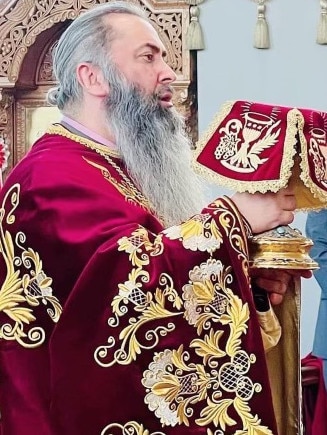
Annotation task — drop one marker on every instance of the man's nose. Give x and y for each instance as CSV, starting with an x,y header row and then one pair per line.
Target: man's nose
x,y
167,75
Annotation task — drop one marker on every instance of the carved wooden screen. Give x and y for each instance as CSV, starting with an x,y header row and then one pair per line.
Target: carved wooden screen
x,y
28,31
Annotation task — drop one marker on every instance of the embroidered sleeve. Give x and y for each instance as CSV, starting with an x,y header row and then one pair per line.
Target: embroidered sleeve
x,y
192,276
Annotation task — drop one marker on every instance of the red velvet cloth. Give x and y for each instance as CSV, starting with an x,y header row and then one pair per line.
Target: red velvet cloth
x,y
314,147
144,328
252,147
315,400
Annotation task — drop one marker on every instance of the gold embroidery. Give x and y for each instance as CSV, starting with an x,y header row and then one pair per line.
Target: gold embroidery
x,y
138,242
318,160
238,157
151,306
197,234
130,428
19,289
125,186
100,149
202,233
126,189
175,385
235,230
312,146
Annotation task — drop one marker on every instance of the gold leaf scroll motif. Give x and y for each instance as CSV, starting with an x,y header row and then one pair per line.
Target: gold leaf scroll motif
x,y
174,384
20,290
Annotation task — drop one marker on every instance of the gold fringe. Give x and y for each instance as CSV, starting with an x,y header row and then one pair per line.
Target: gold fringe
x,y
322,24
261,33
194,34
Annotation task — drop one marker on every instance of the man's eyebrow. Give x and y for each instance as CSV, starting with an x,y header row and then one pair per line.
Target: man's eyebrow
x,y
154,48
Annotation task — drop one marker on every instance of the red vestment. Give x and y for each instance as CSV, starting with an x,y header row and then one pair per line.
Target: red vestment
x,y
108,321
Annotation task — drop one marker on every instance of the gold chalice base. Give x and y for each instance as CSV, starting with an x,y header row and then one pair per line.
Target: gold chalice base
x,y
281,248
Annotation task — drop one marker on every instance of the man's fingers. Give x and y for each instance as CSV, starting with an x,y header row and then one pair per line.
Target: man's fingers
x,y
289,203
286,217
275,299
303,273
273,285
288,190
281,274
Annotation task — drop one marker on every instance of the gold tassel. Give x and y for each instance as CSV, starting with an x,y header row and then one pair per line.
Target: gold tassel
x,y
194,34
261,33
322,24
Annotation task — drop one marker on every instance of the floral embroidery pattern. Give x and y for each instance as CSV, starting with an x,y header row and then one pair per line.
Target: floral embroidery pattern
x,y
130,428
200,233
20,290
151,306
174,385
214,370
139,247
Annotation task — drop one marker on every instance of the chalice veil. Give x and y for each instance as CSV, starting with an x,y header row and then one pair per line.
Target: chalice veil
x,y
253,147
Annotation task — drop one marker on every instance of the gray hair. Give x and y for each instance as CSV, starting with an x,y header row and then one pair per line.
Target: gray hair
x,y
87,39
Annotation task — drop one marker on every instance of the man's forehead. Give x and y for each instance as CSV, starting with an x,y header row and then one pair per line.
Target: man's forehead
x,y
132,26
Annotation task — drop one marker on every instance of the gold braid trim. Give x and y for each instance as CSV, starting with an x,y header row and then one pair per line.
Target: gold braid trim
x,y
101,149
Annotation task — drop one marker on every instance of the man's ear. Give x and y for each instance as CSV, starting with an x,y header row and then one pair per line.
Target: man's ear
x,y
91,79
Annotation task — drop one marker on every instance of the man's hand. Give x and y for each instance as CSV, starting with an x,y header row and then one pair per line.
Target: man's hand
x,y
265,211
276,281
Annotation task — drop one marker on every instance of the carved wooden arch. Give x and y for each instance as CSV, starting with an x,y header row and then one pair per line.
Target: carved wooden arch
x,y
28,31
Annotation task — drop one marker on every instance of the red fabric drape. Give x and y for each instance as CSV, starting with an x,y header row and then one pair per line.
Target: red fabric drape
x,y
315,400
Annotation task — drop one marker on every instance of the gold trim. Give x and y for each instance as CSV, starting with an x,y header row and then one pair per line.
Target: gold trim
x,y
101,149
244,225
294,168
126,187
318,193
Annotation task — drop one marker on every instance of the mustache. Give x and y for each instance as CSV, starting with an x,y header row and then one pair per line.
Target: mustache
x,y
164,90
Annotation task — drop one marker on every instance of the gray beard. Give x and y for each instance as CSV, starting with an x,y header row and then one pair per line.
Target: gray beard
x,y
156,151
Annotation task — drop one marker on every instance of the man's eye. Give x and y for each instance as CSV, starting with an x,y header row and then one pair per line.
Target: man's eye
x,y
149,57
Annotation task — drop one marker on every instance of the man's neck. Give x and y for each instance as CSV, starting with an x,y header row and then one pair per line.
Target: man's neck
x,y
81,130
